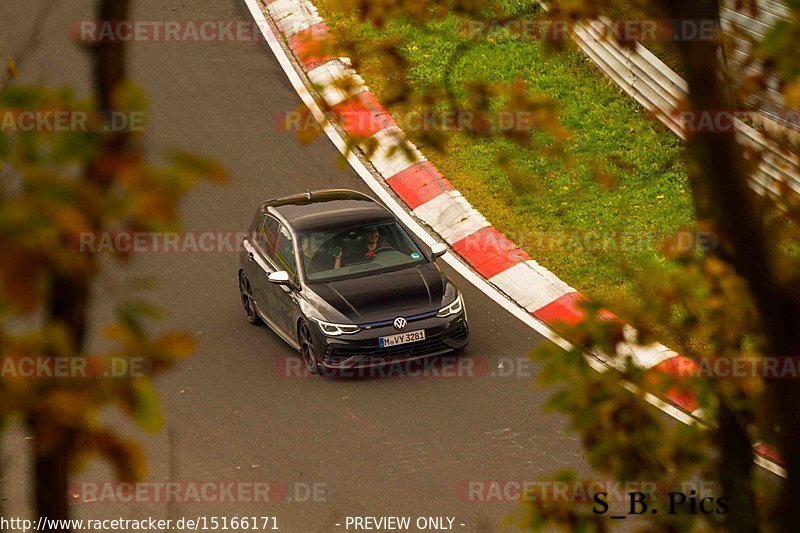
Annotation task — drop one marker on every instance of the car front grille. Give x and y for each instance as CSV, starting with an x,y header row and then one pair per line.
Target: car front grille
x,y
410,319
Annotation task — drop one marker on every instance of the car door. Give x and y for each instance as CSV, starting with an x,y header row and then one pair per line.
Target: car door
x,y
283,299
258,265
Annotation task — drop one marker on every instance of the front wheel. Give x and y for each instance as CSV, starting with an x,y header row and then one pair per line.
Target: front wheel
x,y
249,305
307,350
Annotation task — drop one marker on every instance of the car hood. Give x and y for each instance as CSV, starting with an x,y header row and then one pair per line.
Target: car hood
x,y
386,295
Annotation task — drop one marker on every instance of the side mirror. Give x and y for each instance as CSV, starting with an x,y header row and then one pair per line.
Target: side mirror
x,y
280,277
438,250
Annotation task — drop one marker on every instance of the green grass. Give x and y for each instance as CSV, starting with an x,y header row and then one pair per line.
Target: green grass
x,y
651,198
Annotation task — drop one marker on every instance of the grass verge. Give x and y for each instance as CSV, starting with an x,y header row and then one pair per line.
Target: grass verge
x,y
568,220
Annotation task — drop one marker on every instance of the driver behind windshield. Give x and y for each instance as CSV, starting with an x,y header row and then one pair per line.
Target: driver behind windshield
x,y
365,250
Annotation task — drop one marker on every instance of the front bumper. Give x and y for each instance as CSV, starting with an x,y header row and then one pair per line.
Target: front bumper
x,y
361,350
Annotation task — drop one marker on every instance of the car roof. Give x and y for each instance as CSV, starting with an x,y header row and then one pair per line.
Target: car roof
x,y
328,209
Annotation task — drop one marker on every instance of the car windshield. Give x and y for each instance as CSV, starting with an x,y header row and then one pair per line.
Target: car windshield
x,y
357,251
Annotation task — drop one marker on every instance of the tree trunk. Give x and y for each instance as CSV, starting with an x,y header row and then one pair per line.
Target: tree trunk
x,y
736,472
109,57
68,301
53,444
51,467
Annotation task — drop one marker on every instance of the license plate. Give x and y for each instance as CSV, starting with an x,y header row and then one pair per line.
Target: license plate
x,y
402,338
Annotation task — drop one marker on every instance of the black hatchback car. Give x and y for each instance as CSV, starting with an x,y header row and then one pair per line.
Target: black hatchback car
x,y
339,278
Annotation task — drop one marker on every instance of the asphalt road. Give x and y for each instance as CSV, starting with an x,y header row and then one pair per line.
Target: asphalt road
x,y
397,446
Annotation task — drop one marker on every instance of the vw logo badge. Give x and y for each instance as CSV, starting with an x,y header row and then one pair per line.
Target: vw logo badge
x,y
400,323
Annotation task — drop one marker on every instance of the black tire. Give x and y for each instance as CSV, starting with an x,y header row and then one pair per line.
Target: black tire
x,y
307,350
246,296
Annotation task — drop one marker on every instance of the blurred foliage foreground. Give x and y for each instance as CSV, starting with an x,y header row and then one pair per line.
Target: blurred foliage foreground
x,y
59,181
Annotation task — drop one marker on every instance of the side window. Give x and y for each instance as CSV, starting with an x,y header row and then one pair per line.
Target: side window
x,y
284,252
266,234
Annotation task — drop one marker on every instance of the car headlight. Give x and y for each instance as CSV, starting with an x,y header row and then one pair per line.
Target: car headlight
x,y
453,309
335,330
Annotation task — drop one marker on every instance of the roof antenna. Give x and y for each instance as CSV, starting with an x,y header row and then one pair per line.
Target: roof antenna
x,y
308,194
